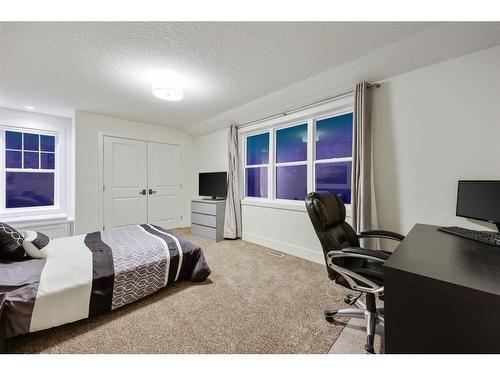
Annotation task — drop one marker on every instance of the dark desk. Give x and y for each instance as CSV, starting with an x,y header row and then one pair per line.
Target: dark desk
x,y
442,295
2,327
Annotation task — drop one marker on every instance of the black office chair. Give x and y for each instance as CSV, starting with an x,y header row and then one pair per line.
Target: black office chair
x,y
348,264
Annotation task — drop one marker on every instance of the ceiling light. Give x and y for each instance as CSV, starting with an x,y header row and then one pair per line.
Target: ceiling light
x,y
168,87
29,107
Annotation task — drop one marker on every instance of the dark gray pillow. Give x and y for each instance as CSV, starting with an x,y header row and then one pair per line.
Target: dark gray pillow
x,y
11,243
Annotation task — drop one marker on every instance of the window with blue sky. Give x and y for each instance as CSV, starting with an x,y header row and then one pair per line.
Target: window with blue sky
x,y
334,137
291,162
286,162
30,167
291,144
258,149
334,156
257,160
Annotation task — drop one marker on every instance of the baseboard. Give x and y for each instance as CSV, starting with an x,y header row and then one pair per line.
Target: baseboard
x,y
285,247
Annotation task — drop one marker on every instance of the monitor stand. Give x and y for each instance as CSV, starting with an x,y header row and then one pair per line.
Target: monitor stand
x,y
214,199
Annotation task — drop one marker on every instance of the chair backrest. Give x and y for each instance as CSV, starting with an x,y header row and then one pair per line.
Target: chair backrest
x,y
327,214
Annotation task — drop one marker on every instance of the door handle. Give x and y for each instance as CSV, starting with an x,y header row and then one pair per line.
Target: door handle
x,y
142,192
151,191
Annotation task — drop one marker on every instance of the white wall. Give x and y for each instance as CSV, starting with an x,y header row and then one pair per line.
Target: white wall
x,y
211,151
432,127
16,118
286,228
211,154
88,126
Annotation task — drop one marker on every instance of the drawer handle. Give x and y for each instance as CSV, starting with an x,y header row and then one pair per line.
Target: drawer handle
x,y
151,191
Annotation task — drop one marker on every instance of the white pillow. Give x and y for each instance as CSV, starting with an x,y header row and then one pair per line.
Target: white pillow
x,y
35,244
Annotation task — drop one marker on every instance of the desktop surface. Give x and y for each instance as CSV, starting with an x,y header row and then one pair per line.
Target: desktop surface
x,y
442,294
448,258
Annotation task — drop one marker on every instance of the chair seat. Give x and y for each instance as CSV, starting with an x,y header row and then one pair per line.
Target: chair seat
x,y
373,271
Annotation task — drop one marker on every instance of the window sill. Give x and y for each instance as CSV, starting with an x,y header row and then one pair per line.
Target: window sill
x,y
282,205
21,221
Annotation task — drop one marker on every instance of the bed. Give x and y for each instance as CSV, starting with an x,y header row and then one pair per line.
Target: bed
x,y
89,274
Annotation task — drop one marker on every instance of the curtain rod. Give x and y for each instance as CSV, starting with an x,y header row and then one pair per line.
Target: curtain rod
x,y
323,101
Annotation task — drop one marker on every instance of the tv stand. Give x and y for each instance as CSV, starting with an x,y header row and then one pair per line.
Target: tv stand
x,y
207,218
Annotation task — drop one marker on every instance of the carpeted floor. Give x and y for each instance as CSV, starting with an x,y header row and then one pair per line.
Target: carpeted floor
x,y
253,302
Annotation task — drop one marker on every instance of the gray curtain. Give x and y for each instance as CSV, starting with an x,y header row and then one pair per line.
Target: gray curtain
x,y
232,222
364,212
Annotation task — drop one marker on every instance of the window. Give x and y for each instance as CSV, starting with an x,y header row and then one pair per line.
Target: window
x,y
333,162
291,162
286,162
257,164
30,173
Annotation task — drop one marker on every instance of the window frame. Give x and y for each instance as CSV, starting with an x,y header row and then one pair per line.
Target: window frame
x,y
330,160
268,165
59,174
310,116
288,163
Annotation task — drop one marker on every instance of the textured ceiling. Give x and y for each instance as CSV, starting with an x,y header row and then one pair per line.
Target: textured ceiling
x,y
439,43
106,67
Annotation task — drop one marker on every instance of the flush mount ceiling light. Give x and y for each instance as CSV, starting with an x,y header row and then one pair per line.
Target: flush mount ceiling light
x,y
29,107
168,87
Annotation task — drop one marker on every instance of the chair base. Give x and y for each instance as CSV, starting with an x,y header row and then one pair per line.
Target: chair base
x,y
368,312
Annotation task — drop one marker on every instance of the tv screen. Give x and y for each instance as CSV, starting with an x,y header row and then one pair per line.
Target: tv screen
x,y
479,200
213,184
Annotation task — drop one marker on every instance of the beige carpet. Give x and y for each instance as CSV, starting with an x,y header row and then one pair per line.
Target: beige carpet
x,y
253,302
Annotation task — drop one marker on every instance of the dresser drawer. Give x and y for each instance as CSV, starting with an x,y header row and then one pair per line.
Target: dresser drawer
x,y
200,230
203,208
207,220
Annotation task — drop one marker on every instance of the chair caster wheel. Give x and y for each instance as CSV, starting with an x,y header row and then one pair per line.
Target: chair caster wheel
x,y
348,299
329,314
369,349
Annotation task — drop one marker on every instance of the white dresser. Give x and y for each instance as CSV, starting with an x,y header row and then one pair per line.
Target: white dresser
x,y
207,218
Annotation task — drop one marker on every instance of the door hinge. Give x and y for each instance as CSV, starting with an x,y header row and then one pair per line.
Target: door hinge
x,y
103,188
103,227
181,217
181,186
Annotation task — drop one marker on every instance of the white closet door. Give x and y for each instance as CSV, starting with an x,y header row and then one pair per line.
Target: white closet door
x,y
125,182
164,185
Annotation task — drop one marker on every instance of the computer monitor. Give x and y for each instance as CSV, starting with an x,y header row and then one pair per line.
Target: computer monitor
x,y
480,200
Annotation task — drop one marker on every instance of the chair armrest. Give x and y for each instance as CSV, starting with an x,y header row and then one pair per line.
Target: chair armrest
x,y
381,234
355,280
366,253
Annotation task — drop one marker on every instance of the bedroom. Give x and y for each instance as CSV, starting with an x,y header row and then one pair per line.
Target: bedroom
x,y
163,185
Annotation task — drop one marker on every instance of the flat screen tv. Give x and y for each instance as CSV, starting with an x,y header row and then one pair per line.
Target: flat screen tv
x,y
213,184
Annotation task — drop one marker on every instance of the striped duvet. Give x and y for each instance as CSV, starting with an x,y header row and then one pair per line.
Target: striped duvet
x,y
90,274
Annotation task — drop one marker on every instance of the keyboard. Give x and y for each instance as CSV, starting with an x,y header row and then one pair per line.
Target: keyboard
x,y
491,238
